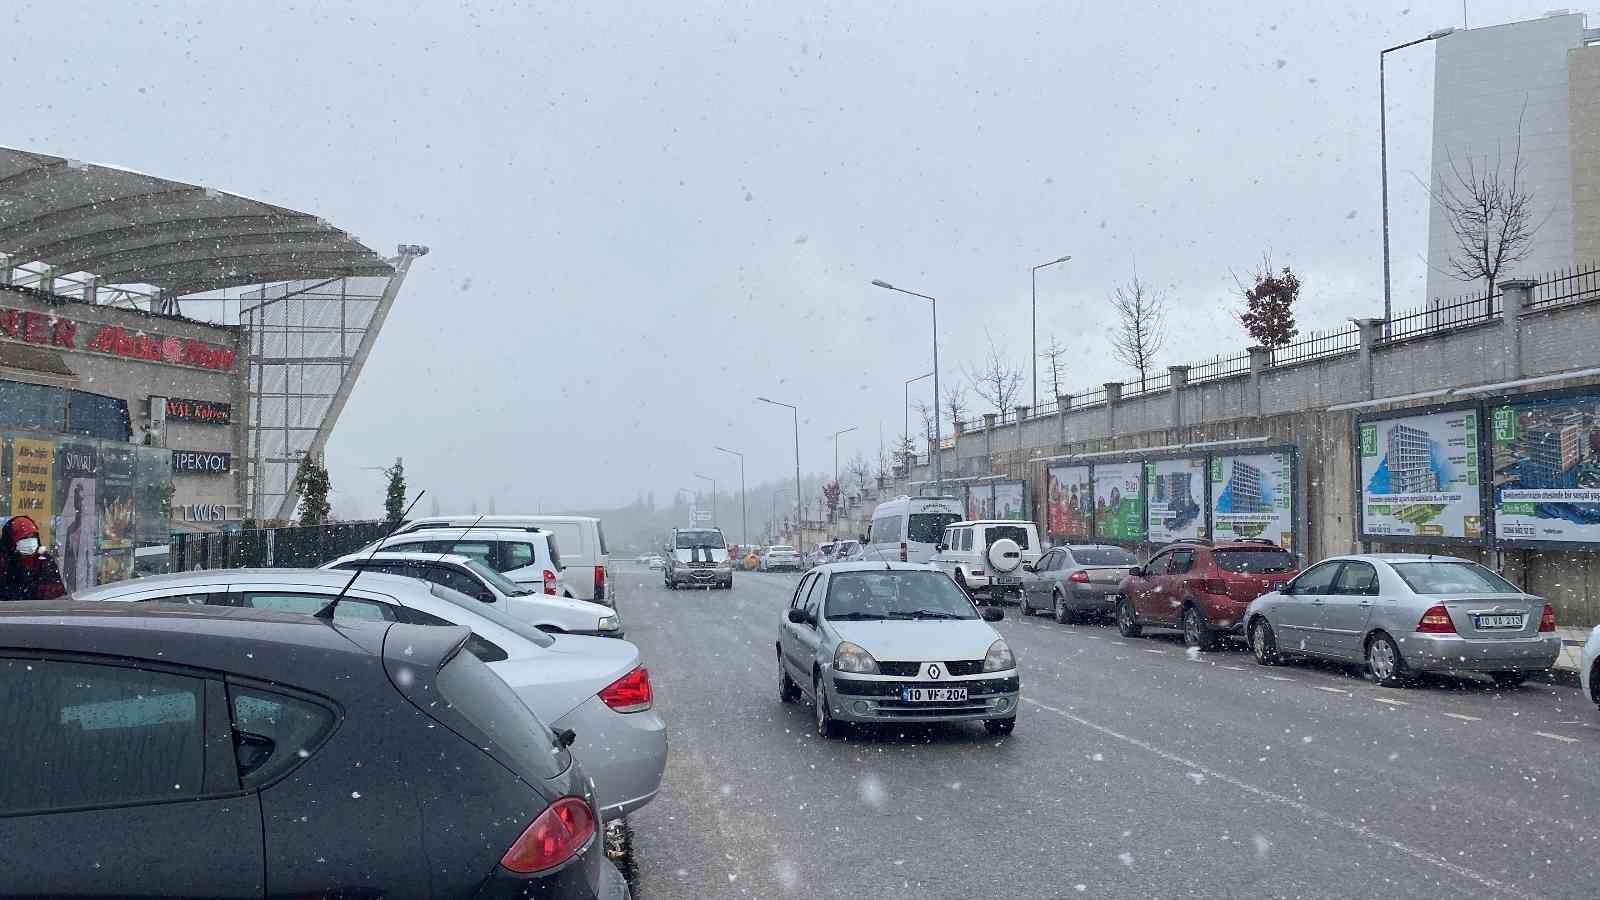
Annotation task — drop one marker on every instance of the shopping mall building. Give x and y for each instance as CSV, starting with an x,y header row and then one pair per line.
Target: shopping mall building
x,y
168,355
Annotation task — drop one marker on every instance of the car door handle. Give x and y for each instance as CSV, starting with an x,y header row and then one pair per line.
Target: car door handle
x,y
1366,603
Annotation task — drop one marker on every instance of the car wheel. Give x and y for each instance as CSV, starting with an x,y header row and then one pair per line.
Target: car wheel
x,y
1384,662
827,726
1127,624
788,691
1508,679
1000,726
1263,643
1063,615
1196,633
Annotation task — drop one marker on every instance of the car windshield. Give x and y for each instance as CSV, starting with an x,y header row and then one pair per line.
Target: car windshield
x,y
497,581
688,540
1439,577
491,612
1267,559
895,594
1103,556
928,528
1013,532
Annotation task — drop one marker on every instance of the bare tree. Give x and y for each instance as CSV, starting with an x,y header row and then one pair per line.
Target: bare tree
x,y
859,469
1490,211
1054,357
996,380
955,403
926,414
1141,326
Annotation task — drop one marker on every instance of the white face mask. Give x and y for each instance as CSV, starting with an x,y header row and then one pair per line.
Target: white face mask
x,y
28,546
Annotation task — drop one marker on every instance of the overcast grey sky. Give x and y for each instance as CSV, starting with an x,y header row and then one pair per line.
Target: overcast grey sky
x,y
643,215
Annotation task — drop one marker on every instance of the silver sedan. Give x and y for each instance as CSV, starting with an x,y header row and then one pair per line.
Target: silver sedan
x,y
1074,579
1401,614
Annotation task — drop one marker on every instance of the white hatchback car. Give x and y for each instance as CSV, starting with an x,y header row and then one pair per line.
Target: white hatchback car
x,y
481,583
594,686
525,554
1587,673
986,556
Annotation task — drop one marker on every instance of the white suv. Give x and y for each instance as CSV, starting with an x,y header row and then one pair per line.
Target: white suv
x,y
985,557
528,555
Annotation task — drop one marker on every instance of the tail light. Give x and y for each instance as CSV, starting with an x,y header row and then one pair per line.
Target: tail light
x,y
599,582
1436,621
1213,586
1547,622
1079,577
555,837
630,693
902,551
549,582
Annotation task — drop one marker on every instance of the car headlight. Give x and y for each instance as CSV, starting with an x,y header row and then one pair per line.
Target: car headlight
x,y
850,657
999,658
609,623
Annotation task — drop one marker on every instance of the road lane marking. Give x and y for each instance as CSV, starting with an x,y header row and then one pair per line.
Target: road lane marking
x,y
1390,702
1463,718
1306,809
1557,737
1333,690
1162,652
1234,668
1277,678
1120,643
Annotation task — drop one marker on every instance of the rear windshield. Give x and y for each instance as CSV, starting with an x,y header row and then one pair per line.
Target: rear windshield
x,y
492,613
1452,578
1103,556
1267,559
1015,532
489,705
688,540
780,548
555,551
928,528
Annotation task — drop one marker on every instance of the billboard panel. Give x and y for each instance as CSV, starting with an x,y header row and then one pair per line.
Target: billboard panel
x,y
1252,497
77,524
1419,477
1546,468
1010,500
1175,493
1118,515
1069,504
32,484
980,501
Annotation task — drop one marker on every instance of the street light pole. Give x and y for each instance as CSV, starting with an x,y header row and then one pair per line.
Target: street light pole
x,y
799,515
836,485
909,382
713,496
1383,161
1035,277
744,507
934,456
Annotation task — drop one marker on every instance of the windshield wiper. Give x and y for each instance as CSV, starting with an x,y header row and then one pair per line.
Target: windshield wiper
x,y
926,614
855,617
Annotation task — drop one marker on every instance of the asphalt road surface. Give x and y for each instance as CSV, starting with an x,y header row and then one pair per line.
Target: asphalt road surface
x,y
1136,770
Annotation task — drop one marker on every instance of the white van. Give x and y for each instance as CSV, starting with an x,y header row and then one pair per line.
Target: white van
x,y
580,541
909,528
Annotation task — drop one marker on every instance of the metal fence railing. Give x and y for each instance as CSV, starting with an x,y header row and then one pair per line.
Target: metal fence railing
x,y
1221,367
292,547
1318,345
1153,384
1572,286
1436,317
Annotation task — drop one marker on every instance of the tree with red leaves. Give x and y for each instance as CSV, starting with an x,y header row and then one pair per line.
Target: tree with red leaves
x,y
1268,313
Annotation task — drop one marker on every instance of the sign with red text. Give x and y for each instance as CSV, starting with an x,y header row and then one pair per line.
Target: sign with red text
x,y
33,327
204,412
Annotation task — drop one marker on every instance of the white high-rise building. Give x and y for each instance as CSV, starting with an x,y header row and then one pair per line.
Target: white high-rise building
x,y
1545,73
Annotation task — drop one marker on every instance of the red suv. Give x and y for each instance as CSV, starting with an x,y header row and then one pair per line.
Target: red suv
x,y
1201,588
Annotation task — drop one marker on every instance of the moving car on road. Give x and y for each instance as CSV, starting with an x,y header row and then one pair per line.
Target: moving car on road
x,y
986,556
468,576
656,562
697,557
780,556
893,642
910,528
1201,588
821,554
845,551
1589,668
594,686
1076,578
1401,614
245,753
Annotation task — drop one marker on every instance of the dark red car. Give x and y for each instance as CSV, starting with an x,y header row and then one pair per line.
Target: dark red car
x,y
1201,588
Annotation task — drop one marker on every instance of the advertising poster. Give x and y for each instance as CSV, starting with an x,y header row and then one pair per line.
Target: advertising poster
x,y
32,490
77,532
1117,512
1175,491
152,498
980,501
1009,501
1419,476
1250,497
115,497
1069,503
1547,469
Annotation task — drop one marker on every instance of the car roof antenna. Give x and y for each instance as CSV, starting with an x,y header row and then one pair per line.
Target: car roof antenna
x,y
326,612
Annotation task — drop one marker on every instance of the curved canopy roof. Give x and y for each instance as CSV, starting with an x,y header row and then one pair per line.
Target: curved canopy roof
x,y
124,227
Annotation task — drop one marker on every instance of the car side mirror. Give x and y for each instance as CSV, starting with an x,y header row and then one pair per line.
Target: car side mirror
x,y
1287,589
940,548
1136,572
799,617
992,614
1029,567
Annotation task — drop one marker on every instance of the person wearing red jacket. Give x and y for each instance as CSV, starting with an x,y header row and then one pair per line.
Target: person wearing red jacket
x,y
26,571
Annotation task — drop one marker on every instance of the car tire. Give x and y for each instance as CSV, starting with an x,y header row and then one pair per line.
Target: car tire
x,y
1384,663
828,727
1000,727
1196,633
1508,679
1063,615
1127,623
788,691
1264,642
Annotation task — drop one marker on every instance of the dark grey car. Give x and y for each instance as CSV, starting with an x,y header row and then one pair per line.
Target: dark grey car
x,y
1076,579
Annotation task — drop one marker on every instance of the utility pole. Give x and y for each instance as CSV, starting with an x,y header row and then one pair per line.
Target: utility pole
x,y
744,507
